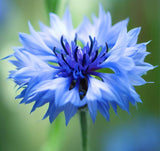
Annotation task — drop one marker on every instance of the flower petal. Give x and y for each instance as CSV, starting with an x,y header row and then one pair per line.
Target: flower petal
x,y
69,111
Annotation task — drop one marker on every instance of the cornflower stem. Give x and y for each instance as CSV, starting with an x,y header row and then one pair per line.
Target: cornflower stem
x,y
83,122
51,6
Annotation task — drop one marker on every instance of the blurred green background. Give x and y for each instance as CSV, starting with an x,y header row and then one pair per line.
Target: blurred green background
x,y
22,131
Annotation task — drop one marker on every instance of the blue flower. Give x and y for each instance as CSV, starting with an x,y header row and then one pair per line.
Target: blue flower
x,y
101,28
94,66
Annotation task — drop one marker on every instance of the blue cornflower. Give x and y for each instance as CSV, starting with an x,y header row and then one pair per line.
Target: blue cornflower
x,y
68,68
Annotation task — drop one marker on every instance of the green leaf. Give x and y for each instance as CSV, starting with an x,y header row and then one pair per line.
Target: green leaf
x,y
105,70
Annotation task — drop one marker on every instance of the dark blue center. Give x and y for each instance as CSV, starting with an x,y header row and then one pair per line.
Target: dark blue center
x,y
79,62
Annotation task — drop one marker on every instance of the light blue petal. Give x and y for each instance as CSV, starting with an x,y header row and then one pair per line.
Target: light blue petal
x,y
94,92
122,40
114,32
21,95
135,79
130,51
49,37
43,98
122,65
69,111
51,84
69,96
123,91
38,38
125,63
62,88
104,109
29,66
92,107
60,27
32,91
54,112
114,106
29,42
68,20
49,110
84,32
140,70
23,75
97,91
133,36
35,47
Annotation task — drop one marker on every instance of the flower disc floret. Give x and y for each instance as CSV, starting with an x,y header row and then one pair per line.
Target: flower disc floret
x,y
78,62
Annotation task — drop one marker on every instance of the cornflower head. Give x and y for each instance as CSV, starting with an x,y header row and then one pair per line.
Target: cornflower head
x,y
93,67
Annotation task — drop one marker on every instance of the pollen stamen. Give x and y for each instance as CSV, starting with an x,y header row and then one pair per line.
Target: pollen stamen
x,y
91,46
106,47
63,45
54,51
95,56
66,61
75,39
80,61
75,54
84,60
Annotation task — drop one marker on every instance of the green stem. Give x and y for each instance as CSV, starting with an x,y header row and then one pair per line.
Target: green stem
x,y
51,6
83,122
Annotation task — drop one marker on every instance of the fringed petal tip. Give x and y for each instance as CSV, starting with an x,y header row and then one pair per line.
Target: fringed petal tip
x,y
7,57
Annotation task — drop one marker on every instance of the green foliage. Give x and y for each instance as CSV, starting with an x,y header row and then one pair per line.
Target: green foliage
x,y
51,5
55,136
